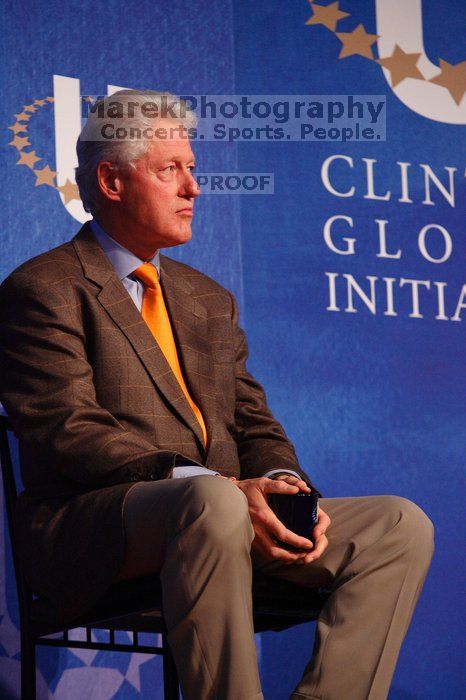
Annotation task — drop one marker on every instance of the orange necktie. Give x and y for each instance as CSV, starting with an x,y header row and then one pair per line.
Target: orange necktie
x,y
155,314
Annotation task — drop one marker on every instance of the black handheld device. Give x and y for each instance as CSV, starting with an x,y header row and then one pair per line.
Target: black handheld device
x,y
298,512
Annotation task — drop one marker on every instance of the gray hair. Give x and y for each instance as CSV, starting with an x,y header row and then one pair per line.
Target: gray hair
x,y
123,110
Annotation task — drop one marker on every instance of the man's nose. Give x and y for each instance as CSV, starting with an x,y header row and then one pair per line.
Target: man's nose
x,y
189,186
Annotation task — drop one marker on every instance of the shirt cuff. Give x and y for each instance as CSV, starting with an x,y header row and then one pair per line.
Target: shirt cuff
x,y
191,470
274,472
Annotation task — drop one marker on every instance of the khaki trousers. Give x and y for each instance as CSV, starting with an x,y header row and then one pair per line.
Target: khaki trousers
x,y
197,533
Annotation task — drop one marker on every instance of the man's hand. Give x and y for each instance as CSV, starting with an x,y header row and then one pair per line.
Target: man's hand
x,y
290,479
323,521
266,524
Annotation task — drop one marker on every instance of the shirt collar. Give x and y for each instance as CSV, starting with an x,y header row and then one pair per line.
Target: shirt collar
x,y
122,259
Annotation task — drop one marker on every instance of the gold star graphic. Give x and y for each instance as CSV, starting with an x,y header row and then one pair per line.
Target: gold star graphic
x,y
16,128
29,159
401,65
50,99
29,108
45,176
22,117
20,142
356,43
327,15
453,78
69,191
39,103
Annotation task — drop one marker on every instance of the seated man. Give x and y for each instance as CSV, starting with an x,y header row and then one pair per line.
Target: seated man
x,y
124,371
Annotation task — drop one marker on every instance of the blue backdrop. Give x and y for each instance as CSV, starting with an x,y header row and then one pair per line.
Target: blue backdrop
x,y
373,401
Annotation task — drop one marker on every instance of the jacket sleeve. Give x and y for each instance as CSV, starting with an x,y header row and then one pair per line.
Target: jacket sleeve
x,y
47,390
262,443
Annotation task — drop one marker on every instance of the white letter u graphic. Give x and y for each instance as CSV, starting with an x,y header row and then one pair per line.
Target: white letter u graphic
x,y
400,22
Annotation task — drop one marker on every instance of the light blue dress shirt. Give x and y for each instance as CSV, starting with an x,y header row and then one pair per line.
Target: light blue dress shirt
x,y
125,263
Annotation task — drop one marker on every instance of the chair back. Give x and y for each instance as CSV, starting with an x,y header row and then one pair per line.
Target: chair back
x,y
11,495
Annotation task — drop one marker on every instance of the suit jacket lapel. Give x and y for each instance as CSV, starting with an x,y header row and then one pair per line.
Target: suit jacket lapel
x,y
120,307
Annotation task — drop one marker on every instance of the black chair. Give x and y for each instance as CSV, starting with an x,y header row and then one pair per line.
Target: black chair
x,y
132,606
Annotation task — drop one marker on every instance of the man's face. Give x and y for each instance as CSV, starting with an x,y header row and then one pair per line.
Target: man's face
x,y
157,197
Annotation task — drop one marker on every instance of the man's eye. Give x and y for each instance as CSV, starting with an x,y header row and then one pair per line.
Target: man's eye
x,y
169,169
191,168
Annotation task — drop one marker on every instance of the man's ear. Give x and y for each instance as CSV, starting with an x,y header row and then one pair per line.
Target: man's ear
x,y
109,179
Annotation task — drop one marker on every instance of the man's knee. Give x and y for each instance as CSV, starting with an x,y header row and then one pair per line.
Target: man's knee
x,y
220,507
416,527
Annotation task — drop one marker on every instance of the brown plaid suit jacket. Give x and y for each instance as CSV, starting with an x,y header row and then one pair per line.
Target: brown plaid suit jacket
x,y
96,407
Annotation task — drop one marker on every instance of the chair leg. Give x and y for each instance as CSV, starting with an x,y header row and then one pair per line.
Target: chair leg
x,y
28,668
170,674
